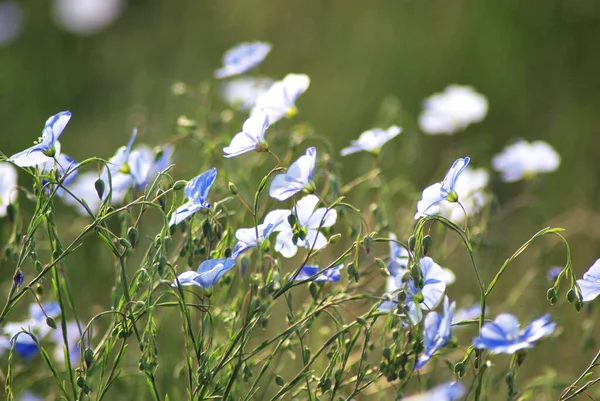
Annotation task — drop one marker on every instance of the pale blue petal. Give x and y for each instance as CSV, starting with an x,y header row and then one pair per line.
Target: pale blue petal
x,y
284,245
322,217
457,167
243,58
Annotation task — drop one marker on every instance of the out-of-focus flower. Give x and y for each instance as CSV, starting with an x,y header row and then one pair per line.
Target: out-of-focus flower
x,y
196,192
8,186
146,165
590,284
331,275
469,187
470,313
452,110
74,340
504,336
29,396
243,92
280,100
434,194
11,20
524,160
451,391
437,332
86,17
398,258
417,298
208,273
44,150
83,188
119,168
297,177
242,58
308,221
372,140
252,136
554,271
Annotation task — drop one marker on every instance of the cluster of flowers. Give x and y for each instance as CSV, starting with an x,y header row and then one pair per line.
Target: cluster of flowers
x,y
300,226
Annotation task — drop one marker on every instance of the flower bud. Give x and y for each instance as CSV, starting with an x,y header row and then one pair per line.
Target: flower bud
x,y
380,263
99,185
133,236
459,369
88,356
279,380
179,185
427,242
412,242
51,322
335,238
124,242
11,212
18,278
232,188
550,294
368,242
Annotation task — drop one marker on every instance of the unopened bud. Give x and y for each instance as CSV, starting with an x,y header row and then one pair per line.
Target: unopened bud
x,y
133,235
412,241
99,185
50,322
335,238
179,185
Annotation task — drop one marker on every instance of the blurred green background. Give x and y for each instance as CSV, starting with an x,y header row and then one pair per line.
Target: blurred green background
x,y
536,61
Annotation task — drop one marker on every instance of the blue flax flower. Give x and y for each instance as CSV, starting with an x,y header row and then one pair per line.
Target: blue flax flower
x,y
44,150
280,100
590,284
451,391
372,140
309,220
146,165
119,169
252,136
297,177
425,298
504,336
398,258
247,237
332,274
208,273
470,313
196,192
242,58
437,332
434,194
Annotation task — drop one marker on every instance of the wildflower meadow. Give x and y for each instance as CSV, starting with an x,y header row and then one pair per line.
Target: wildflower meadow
x,y
248,255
